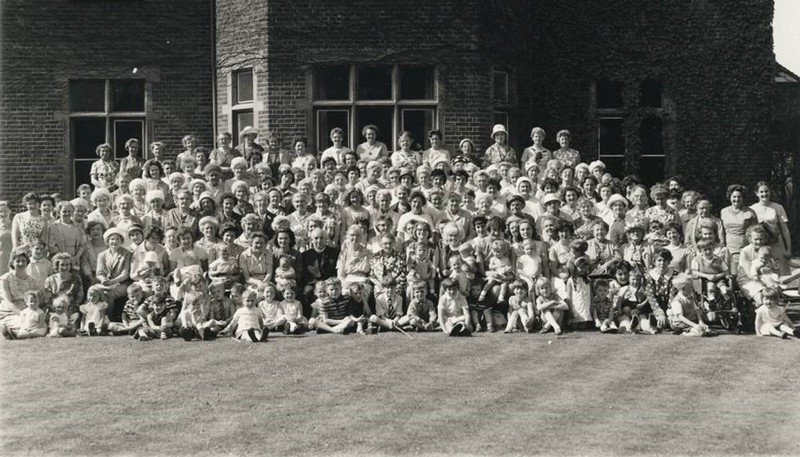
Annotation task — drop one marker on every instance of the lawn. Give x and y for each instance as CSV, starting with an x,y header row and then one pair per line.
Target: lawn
x,y
492,394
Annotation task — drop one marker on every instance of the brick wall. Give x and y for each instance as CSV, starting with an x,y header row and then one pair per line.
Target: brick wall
x,y
45,44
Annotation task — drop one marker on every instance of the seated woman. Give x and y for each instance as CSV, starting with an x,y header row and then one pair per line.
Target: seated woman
x,y
353,266
13,287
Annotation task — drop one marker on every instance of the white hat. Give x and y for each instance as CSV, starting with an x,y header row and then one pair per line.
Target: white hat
x,y
615,199
499,128
595,165
549,198
154,194
249,130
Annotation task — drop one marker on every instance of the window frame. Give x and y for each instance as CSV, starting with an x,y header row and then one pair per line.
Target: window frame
x,y
352,103
504,74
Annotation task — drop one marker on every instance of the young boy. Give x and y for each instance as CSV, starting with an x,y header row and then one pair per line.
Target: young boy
x,y
334,314
131,320
603,307
421,313
771,319
453,312
60,323
159,312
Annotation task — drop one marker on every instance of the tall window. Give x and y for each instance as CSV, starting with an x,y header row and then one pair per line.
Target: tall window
x,y
610,133
242,97
392,97
104,111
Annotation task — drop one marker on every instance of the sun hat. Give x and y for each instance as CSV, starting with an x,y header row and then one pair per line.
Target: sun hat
x,y
248,130
208,220
466,140
153,195
113,231
550,198
499,128
135,227
150,256
616,198
515,197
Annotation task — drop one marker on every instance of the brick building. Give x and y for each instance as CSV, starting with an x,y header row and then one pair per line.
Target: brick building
x,y
658,88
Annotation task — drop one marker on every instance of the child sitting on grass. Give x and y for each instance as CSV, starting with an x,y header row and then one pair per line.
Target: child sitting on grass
x,y
335,310
684,313
159,312
421,313
60,323
550,306
453,311
248,321
194,317
271,309
33,323
292,311
603,308
131,320
771,319
221,307
94,310
520,308
478,308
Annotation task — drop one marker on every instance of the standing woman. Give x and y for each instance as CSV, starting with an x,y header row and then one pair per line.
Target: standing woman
x,y
500,151
132,164
302,158
371,149
251,151
466,149
338,150
637,214
224,153
736,218
106,166
153,173
31,225
536,152
354,209
436,153
405,157
95,244
570,157
774,219
6,243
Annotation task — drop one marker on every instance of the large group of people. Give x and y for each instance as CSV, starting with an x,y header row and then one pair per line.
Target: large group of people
x,y
258,238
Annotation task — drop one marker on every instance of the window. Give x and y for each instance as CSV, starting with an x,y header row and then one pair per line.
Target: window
x,y
500,93
242,100
104,111
609,94
650,95
501,117
392,97
651,159
611,145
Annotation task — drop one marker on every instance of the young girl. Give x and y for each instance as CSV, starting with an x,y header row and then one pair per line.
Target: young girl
x,y
579,294
292,311
453,312
61,325
550,306
500,270
420,265
248,321
684,313
94,312
771,319
32,321
520,308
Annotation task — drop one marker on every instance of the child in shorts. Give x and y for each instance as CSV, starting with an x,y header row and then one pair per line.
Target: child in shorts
x,y
479,308
603,308
271,309
131,320
194,317
159,311
684,313
221,307
421,313
771,319
520,308
550,306
335,310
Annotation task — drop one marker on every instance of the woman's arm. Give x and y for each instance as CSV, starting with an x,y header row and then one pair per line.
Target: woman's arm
x,y
16,232
124,274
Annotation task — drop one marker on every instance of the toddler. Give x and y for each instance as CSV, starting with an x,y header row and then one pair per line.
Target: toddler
x,y
453,311
720,307
40,267
194,317
420,265
271,310
225,268
550,306
684,314
603,308
131,320
292,311
499,271
60,323
771,319
94,312
151,268
285,273
520,308
247,323
529,264
33,323
455,266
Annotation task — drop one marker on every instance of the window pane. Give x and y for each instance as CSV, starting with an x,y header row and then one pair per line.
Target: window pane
x,y
381,117
416,83
241,119
615,166
244,87
332,83
127,95
651,169
500,86
326,121
125,129
87,133
87,95
651,94
651,135
375,83
81,170
609,94
501,117
610,141
418,122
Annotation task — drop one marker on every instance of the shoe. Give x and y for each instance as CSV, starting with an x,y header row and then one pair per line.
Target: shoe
x,y
91,329
163,335
264,335
796,333
544,330
252,335
465,331
558,331
634,323
784,336
286,328
8,334
457,329
490,328
144,338
186,333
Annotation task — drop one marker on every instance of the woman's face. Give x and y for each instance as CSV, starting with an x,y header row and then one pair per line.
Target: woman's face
x,y
354,199
133,148
223,140
405,143
337,139
32,205
258,244
537,138
300,204
274,199
588,187
115,241
563,141
524,188
228,204
763,194
567,175
5,213
435,141
466,149
661,263
200,158
282,240
20,263
155,173
105,153
370,135
500,138
416,205
525,231
737,199
639,198
703,209
241,194
300,148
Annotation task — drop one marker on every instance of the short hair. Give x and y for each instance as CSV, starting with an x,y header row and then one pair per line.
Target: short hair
x,y
336,130
538,130
665,254
564,132
31,197
519,284
134,287
680,280
333,281
735,188
769,292
61,257
703,244
450,283
601,283
369,127
436,133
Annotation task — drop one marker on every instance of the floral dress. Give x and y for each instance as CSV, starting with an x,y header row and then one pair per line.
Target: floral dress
x,y
497,153
664,215
570,157
32,228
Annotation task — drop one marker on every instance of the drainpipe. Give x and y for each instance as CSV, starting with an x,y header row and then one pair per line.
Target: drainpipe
x,y
213,6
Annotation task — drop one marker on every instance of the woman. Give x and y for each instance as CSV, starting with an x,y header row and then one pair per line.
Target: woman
x,y
298,218
31,225
302,158
536,153
125,216
747,278
331,219
251,225
153,242
316,264
660,291
228,233
736,218
201,160
637,213
132,164
405,157
224,153
101,199
114,265
570,157
104,171
354,209
417,202
774,219
283,244
138,191
466,150
6,243
95,244
353,265
256,262
251,151
337,150
209,225
13,287
436,153
153,173
371,149
661,211
500,151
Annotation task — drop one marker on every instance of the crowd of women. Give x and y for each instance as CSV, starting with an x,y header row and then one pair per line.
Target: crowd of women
x,y
268,237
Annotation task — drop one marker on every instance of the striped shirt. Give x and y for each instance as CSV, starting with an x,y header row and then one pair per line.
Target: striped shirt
x,y
338,308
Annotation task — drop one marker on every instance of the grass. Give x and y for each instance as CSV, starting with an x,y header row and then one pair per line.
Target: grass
x,y
580,393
